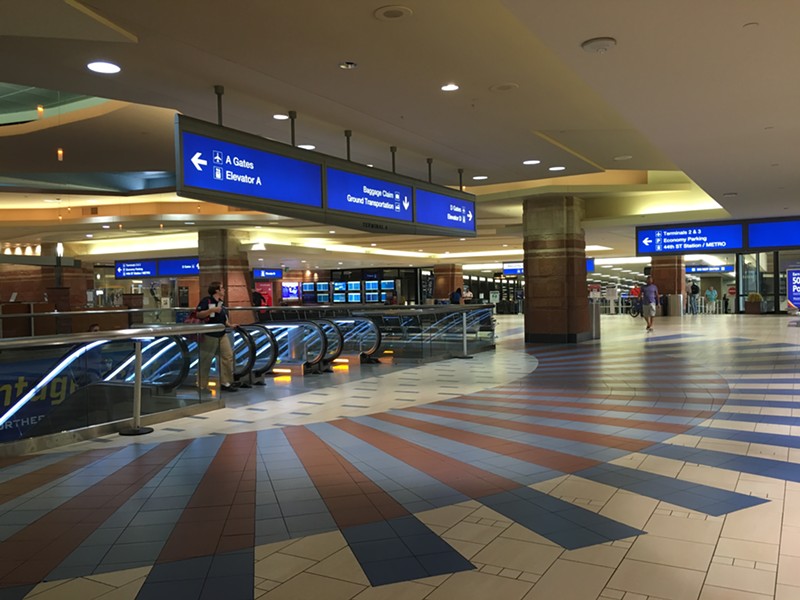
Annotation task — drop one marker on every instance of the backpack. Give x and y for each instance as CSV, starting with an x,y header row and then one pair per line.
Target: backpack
x,y
193,319
695,289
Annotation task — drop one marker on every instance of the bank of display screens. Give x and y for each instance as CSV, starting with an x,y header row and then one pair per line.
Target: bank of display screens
x,y
309,298
339,286
387,284
308,287
323,298
322,286
354,297
372,296
353,286
371,286
339,297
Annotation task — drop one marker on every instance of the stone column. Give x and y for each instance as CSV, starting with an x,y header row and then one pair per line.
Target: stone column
x,y
669,274
223,259
447,278
556,297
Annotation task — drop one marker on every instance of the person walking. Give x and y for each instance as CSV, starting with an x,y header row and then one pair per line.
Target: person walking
x,y
694,292
212,309
711,299
649,302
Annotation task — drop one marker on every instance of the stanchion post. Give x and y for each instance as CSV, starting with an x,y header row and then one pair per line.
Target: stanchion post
x,y
137,428
464,335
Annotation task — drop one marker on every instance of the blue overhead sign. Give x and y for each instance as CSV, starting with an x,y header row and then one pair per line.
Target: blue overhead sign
x,y
690,239
515,268
134,269
774,234
367,196
444,211
267,273
589,265
178,266
211,164
710,269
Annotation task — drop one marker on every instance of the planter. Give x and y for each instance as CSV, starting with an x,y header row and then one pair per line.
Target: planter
x,y
752,308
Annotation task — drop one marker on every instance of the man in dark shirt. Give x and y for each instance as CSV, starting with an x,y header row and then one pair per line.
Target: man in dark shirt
x,y
212,309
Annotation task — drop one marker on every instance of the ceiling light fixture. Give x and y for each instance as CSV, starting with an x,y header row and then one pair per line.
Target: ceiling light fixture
x,y
449,87
307,146
280,117
532,161
392,12
556,168
599,45
622,157
106,226
332,231
103,67
348,65
480,177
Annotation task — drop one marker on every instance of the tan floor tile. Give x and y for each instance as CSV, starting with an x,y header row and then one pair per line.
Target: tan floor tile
x,y
717,593
737,578
790,540
786,592
266,549
704,532
577,487
756,551
434,581
719,478
575,581
472,532
789,570
281,567
518,532
662,466
75,589
774,489
515,554
631,509
660,581
466,549
341,565
548,486
484,512
757,524
129,591
480,586
407,590
602,555
446,516
675,553
316,547
307,585
45,587
120,578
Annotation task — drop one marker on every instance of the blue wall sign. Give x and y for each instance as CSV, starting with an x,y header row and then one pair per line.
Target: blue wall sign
x,y
774,234
261,274
710,269
179,266
349,192
793,287
690,238
590,265
515,268
134,269
444,211
211,164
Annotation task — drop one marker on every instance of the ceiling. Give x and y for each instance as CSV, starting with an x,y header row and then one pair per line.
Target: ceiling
x,y
689,116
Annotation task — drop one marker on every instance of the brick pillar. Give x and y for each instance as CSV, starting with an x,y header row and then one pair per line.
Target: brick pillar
x,y
556,298
222,259
669,274
447,278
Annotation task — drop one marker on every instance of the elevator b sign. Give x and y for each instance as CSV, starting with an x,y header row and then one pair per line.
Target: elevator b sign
x,y
793,288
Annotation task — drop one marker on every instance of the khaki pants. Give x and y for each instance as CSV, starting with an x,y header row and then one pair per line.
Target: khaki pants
x,y
209,347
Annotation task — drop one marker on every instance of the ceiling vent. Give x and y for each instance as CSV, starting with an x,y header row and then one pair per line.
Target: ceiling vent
x,y
393,12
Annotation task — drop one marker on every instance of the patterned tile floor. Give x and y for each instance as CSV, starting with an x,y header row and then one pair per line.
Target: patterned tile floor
x,y
641,466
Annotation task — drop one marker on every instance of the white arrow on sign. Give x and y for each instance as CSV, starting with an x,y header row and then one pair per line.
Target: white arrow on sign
x,y
405,202
647,241
469,215
198,162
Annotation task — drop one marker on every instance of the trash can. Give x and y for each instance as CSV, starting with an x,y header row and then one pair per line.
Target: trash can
x,y
594,319
674,305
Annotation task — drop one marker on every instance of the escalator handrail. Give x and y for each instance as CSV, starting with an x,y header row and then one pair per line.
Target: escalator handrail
x,y
259,371
310,325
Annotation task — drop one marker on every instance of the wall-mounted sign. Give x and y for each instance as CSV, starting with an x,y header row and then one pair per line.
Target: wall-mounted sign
x,y
773,234
444,211
367,196
710,269
178,266
793,288
590,265
513,268
129,269
262,274
689,239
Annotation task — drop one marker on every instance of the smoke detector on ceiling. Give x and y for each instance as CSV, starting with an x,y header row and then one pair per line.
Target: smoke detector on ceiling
x,y
392,12
599,45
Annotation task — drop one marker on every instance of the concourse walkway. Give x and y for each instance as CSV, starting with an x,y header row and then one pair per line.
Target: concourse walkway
x,y
660,465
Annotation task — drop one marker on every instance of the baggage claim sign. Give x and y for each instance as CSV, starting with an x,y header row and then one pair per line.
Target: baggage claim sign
x,y
239,169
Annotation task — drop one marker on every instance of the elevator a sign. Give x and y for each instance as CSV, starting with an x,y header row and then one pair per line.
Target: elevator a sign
x,y
793,288
689,239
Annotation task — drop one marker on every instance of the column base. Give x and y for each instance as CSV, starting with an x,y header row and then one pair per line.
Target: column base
x,y
558,338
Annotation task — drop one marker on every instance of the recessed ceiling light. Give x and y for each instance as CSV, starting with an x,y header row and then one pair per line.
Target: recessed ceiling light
x,y
348,65
730,194
505,245
504,87
556,168
332,231
480,177
622,157
532,161
373,244
280,117
392,12
449,87
370,166
89,235
341,263
306,146
104,67
188,222
106,226
599,45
